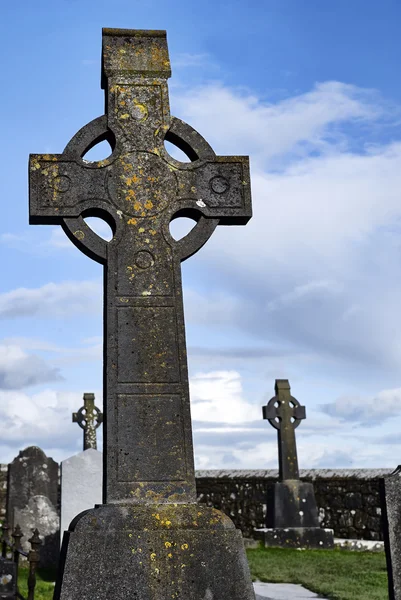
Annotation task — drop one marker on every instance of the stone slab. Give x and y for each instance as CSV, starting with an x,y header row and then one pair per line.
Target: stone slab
x,y
156,551
296,537
283,591
81,485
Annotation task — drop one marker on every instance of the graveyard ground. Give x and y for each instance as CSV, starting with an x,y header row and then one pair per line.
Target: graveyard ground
x,y
336,574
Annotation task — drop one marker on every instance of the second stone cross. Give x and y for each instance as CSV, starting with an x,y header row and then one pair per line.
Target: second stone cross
x,y
160,543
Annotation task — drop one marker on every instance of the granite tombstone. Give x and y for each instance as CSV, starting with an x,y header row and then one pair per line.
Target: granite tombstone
x,y
160,543
89,418
293,516
32,500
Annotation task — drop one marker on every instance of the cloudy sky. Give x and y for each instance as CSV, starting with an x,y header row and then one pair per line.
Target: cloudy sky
x,y
309,290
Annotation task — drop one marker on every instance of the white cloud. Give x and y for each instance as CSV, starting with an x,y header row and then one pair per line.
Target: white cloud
x,y
217,397
19,370
242,123
366,411
318,266
65,299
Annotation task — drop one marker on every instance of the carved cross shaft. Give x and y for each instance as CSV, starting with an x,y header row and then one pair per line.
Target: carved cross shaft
x,y
284,413
89,418
138,190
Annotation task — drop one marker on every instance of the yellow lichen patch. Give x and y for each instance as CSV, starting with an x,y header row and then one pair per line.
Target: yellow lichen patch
x,y
141,230
168,544
153,556
170,555
184,546
149,204
35,165
124,116
79,234
132,221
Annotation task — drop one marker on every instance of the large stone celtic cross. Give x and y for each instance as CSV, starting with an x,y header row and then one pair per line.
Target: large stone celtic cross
x,y
285,413
138,190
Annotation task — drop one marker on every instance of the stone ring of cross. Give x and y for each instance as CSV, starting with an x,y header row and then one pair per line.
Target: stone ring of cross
x,y
155,164
274,409
81,417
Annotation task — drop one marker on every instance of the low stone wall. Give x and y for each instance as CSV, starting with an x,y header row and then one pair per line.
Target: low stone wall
x,y
348,499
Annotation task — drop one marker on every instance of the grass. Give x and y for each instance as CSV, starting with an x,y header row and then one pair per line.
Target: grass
x,y
336,574
44,583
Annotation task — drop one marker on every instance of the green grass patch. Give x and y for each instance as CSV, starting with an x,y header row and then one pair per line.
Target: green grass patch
x,y
336,574
44,583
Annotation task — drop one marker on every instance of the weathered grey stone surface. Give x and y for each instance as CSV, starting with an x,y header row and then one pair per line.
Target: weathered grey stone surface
x,y
81,485
32,492
40,512
292,512
390,488
148,454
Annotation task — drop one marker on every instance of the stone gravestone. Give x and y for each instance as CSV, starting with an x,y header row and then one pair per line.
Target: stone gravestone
x,y
81,485
160,543
390,495
89,418
294,515
32,490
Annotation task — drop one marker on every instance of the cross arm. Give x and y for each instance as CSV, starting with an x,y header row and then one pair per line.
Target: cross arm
x,y
219,187
60,187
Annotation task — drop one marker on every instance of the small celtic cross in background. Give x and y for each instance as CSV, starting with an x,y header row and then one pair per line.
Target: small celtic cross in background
x,y
285,413
89,418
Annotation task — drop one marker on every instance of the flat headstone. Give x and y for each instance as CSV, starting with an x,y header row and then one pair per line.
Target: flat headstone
x,y
81,485
32,500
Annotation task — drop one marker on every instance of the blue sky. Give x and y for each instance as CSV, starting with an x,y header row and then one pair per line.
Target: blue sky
x,y
309,290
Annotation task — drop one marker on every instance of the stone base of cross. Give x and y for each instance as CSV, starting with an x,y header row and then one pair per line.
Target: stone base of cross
x,y
149,540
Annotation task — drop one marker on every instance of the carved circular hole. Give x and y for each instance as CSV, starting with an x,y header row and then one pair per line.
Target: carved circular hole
x,y
180,227
176,152
100,227
100,151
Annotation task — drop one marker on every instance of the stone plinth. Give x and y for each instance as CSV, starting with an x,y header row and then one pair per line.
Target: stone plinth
x,y
81,485
155,551
295,518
